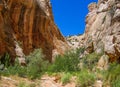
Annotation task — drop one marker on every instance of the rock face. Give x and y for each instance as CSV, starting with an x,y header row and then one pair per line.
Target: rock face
x,y
31,24
103,63
75,41
103,28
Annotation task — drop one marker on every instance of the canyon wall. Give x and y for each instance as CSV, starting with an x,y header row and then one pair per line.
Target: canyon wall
x,y
30,23
103,28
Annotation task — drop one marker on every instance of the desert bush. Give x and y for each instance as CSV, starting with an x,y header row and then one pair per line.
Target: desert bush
x,y
17,69
90,60
24,84
116,83
112,76
67,62
85,78
4,61
4,64
66,78
36,64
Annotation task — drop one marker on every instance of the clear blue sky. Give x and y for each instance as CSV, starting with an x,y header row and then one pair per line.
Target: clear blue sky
x,y
69,15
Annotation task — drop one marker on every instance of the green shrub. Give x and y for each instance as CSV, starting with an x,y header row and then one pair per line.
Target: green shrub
x,y
85,78
23,84
17,69
112,76
116,83
90,60
36,64
66,78
35,67
67,62
7,60
4,61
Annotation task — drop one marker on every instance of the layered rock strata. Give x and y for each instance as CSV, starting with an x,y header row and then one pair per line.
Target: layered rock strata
x,y
31,24
103,28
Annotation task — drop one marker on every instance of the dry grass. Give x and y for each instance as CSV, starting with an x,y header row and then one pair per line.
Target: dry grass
x,y
15,81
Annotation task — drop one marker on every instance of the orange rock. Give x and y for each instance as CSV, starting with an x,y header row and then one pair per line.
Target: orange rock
x,y
31,23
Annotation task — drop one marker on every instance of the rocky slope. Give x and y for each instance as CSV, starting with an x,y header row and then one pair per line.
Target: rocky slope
x,y
75,41
30,24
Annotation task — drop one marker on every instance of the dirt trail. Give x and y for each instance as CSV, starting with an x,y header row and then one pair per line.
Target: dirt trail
x,y
46,81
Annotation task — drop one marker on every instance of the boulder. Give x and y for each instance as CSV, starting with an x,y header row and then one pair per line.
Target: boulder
x,y
103,62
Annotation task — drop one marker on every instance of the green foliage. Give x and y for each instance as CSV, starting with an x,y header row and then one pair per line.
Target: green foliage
x,y
17,69
4,61
116,83
112,76
85,78
80,50
66,78
90,60
23,84
36,64
67,62
35,67
7,60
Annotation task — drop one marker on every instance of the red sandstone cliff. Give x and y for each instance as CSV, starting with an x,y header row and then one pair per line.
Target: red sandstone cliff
x,y
30,23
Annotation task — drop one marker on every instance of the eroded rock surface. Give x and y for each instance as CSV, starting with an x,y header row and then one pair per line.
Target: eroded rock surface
x,y
75,41
103,28
31,23
102,33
